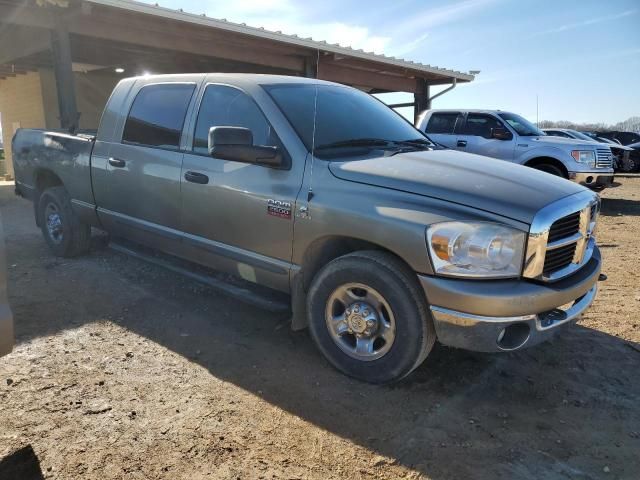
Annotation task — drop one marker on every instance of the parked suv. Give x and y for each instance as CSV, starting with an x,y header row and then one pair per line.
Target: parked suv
x,y
510,137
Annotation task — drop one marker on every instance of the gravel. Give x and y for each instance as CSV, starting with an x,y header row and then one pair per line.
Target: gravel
x,y
124,370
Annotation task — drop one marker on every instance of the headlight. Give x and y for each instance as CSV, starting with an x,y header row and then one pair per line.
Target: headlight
x,y
588,157
475,249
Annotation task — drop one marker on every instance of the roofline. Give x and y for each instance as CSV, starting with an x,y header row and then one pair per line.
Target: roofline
x,y
278,37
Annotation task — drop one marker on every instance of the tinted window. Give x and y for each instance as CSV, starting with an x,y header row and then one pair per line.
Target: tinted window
x,y
627,137
555,133
157,115
521,125
342,114
579,136
442,123
481,125
230,107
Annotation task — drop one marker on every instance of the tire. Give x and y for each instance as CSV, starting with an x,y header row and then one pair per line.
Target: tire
x,y
403,329
63,231
629,165
552,169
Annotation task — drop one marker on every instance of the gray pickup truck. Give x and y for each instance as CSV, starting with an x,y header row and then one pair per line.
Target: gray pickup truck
x,y
383,241
508,136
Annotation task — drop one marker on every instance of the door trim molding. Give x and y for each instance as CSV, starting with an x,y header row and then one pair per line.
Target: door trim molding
x,y
257,260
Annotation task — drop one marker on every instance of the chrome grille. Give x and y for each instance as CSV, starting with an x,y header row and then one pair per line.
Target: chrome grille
x,y
561,237
603,158
565,227
558,259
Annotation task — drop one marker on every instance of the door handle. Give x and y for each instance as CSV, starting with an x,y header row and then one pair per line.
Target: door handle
x,y
195,177
116,162
462,143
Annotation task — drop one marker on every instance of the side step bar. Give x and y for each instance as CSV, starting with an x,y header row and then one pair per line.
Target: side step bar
x,y
245,292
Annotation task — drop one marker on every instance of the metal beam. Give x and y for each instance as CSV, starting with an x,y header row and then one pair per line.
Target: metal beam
x,y
351,76
65,85
311,67
402,105
422,101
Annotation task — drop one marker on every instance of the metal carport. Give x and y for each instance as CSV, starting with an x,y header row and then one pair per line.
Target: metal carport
x,y
77,45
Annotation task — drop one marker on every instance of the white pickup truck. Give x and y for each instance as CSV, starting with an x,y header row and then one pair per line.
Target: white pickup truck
x,y
507,136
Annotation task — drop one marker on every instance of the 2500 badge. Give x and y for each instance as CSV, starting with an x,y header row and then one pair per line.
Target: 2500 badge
x,y
279,208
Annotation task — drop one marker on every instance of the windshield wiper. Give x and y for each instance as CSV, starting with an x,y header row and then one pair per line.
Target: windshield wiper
x,y
356,142
414,143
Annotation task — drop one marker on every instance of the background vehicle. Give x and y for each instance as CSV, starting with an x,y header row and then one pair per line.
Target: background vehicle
x,y
634,155
622,162
625,138
6,317
217,169
510,137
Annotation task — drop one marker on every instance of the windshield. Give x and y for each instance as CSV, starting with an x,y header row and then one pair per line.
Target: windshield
x,y
581,136
522,126
347,120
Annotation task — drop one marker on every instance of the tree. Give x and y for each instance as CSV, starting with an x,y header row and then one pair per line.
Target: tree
x,y
631,124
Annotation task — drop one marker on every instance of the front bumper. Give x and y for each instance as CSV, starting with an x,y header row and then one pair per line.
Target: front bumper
x,y
596,178
506,315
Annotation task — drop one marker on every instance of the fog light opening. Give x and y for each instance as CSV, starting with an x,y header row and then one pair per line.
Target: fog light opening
x,y
514,336
589,179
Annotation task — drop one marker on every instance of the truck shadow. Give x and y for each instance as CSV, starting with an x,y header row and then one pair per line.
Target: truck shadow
x,y
613,207
543,413
22,464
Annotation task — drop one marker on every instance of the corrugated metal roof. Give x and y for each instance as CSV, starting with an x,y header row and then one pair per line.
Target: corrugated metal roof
x,y
279,37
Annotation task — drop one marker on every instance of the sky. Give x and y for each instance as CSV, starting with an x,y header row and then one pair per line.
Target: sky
x,y
579,58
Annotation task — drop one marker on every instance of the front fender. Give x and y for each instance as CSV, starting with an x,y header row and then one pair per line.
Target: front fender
x,y
552,152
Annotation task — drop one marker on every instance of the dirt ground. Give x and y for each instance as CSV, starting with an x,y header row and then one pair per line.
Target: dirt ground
x,y
124,370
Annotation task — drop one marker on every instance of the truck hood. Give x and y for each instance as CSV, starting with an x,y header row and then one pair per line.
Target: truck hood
x,y
561,142
495,186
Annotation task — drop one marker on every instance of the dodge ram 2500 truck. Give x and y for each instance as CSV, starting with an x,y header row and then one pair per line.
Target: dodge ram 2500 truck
x,y
510,137
383,241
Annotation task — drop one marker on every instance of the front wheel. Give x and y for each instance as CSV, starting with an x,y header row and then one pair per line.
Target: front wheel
x,y
552,169
369,318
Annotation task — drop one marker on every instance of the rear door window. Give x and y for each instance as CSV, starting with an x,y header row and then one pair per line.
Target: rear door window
x,y
443,123
480,125
157,115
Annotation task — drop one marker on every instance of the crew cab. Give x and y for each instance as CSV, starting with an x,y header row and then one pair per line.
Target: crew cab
x,y
508,136
384,241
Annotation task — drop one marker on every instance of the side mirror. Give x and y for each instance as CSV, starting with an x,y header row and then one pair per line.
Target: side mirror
x,y
501,134
236,144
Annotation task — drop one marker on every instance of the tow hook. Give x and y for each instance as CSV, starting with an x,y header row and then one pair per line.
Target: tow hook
x,y
602,277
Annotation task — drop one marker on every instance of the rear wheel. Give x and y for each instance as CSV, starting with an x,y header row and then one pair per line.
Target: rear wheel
x,y
552,169
63,231
368,316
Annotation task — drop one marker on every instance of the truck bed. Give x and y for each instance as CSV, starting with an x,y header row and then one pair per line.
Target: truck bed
x,y
37,154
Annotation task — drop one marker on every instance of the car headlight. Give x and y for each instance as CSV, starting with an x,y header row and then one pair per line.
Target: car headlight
x,y
476,249
588,157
